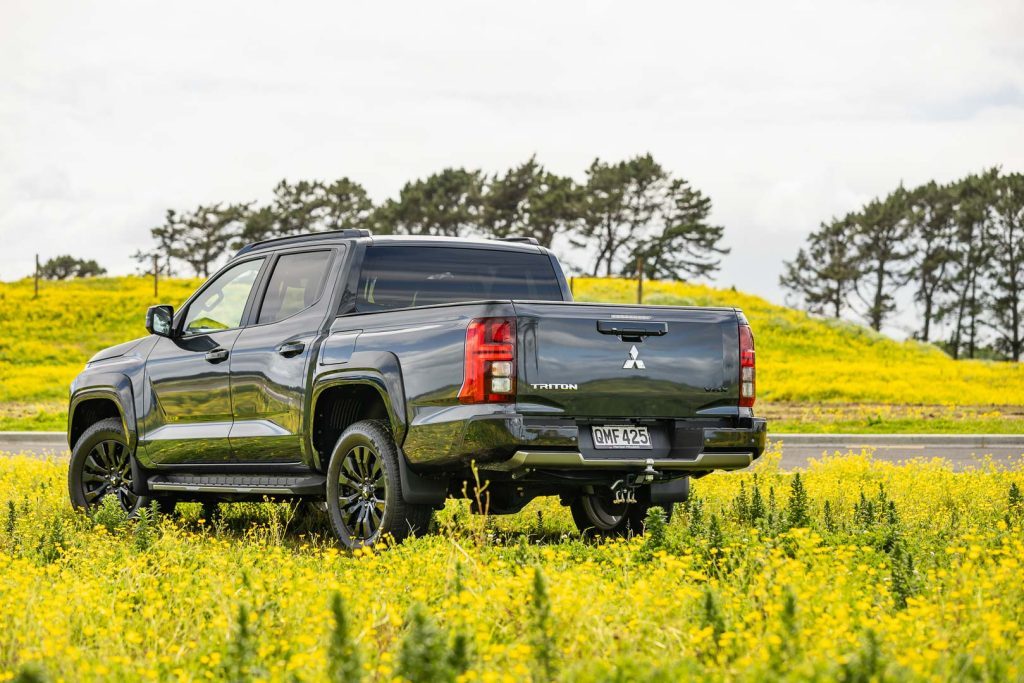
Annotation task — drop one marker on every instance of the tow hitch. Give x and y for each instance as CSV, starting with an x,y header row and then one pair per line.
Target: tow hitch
x,y
624,490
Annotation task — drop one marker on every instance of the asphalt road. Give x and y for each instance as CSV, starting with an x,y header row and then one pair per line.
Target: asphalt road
x,y
962,450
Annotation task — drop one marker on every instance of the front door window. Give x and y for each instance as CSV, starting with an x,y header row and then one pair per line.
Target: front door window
x,y
220,306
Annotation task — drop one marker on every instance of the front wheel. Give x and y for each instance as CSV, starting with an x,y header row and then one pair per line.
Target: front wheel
x,y
101,466
364,489
599,515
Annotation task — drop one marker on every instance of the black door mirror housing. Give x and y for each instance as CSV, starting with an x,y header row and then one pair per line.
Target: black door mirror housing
x,y
160,320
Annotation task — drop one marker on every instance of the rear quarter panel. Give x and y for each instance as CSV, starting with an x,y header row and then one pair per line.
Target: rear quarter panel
x,y
429,346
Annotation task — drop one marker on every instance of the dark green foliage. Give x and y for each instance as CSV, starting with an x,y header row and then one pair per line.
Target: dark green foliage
x,y
799,505
695,513
904,580
828,518
66,266
741,505
757,508
239,661
716,538
529,201
542,632
685,245
825,274
460,654
1015,505
867,665
343,660
881,237
424,654
145,531
53,542
109,514
446,204
29,674
959,246
11,523
712,613
1006,234
655,528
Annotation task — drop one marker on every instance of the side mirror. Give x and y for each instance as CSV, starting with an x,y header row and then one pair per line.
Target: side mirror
x,y
159,320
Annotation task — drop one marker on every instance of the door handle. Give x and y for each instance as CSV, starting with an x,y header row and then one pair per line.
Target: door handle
x,y
292,348
217,356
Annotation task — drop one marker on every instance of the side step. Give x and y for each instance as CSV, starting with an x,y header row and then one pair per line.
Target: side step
x,y
269,484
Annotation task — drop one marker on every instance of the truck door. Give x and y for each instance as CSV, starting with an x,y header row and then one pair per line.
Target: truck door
x,y
270,361
187,415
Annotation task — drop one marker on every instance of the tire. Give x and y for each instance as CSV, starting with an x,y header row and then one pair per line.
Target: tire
x,y
101,465
364,489
597,516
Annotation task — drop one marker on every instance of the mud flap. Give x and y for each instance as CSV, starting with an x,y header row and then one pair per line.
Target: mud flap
x,y
419,489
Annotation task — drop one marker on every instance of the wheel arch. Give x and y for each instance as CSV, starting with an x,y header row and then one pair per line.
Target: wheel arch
x,y
340,401
92,404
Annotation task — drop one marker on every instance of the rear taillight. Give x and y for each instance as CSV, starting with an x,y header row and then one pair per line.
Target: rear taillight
x,y
490,361
748,373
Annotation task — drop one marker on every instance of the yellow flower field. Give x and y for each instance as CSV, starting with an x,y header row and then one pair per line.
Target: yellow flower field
x,y
861,571
802,360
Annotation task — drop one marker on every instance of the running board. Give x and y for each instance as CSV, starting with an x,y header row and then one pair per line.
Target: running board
x,y
269,484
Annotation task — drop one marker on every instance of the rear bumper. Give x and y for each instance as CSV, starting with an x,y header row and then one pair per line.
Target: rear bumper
x,y
571,460
502,439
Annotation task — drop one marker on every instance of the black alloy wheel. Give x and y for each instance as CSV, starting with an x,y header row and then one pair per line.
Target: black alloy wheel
x,y
364,489
101,466
363,492
107,470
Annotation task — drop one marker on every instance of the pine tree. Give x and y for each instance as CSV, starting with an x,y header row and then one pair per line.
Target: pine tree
x,y
823,276
882,250
529,201
447,204
1006,236
619,206
685,245
932,218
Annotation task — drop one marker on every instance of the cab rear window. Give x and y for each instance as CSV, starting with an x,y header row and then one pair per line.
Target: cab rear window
x,y
403,276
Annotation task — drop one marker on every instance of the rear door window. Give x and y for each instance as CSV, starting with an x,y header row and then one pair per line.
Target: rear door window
x,y
295,285
403,276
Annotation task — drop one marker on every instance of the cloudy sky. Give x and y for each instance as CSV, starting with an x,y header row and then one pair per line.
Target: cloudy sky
x,y
785,113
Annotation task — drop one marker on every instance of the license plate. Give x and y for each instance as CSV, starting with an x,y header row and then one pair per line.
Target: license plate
x,y
625,436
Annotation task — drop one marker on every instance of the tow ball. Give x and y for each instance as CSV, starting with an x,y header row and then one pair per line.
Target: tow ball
x,y
624,490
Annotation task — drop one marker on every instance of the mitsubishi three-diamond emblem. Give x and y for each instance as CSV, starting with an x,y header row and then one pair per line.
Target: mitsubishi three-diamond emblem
x,y
633,362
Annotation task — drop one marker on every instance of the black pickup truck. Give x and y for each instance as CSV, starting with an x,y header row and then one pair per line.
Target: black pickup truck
x,y
386,374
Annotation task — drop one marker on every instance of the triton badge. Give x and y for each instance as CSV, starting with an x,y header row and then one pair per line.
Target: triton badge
x,y
633,362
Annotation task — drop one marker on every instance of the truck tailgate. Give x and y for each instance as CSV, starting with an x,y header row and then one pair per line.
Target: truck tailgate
x,y
600,360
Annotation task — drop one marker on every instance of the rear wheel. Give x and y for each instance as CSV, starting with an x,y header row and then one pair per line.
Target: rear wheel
x,y
101,466
599,515
364,491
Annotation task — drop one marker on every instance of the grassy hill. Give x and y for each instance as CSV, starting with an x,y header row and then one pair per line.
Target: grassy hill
x,y
813,374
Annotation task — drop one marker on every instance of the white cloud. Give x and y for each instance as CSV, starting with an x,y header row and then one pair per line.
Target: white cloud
x,y
785,113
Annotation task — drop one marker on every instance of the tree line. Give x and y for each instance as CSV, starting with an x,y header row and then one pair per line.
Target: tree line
x,y
623,214
957,248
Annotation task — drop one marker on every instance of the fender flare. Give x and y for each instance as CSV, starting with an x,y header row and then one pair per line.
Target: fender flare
x,y
384,375
116,388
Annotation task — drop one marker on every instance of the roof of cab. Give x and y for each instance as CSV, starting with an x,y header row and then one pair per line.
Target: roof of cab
x,y
333,236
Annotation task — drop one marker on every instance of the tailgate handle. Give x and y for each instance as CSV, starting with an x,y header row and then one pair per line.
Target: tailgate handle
x,y
632,330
